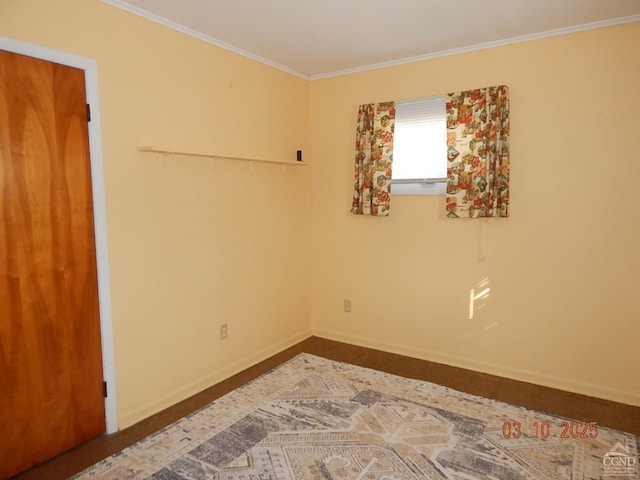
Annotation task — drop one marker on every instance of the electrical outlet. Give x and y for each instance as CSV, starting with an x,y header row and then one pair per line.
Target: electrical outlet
x,y
223,331
347,306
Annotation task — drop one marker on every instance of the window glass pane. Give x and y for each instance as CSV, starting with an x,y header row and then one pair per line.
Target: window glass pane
x,y
420,139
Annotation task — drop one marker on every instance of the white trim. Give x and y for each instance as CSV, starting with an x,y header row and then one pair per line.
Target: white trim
x,y
528,376
419,188
123,5
201,36
198,385
90,68
482,46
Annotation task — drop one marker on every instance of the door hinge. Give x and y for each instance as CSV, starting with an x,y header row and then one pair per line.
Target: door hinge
x,y
104,389
88,112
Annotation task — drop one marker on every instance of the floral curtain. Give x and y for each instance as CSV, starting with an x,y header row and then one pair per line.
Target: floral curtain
x,y
478,153
374,153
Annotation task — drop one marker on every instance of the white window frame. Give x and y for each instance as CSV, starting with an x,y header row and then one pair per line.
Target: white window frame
x,y
420,186
426,186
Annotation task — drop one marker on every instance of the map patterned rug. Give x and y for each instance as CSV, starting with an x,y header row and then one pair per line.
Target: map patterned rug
x,y
317,419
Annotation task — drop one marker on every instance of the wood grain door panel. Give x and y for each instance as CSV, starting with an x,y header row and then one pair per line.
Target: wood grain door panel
x,y
51,385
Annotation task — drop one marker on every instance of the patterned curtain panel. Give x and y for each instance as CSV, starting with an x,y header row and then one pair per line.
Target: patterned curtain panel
x,y
478,153
374,153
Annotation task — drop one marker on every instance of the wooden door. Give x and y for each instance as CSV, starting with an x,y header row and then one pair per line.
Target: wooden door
x,y
51,384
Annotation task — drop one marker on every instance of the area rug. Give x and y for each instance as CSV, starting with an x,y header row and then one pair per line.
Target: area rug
x,y
317,419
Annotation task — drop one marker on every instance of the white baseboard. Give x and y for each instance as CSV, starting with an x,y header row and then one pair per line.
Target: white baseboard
x,y
200,384
628,398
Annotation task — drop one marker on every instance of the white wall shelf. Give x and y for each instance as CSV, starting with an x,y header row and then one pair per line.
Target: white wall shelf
x,y
169,152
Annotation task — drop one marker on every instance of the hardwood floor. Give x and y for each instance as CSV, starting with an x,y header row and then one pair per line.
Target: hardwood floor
x,y
578,407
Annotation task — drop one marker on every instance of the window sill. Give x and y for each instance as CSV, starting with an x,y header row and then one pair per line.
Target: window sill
x,y
419,188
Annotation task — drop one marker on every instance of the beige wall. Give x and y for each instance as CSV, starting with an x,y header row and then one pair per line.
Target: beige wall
x,y
564,269
192,243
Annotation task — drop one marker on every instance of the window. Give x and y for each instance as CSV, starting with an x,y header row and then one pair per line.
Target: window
x,y
420,147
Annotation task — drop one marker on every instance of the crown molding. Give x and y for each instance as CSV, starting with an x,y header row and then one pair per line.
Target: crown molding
x,y
201,36
337,73
482,46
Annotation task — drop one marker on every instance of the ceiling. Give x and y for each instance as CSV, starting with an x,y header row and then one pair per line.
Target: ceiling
x,y
320,38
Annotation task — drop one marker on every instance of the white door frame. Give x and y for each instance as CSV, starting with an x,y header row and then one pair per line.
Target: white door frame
x,y
90,68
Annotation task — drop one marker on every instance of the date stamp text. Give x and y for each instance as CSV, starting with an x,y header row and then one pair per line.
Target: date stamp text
x,y
567,429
